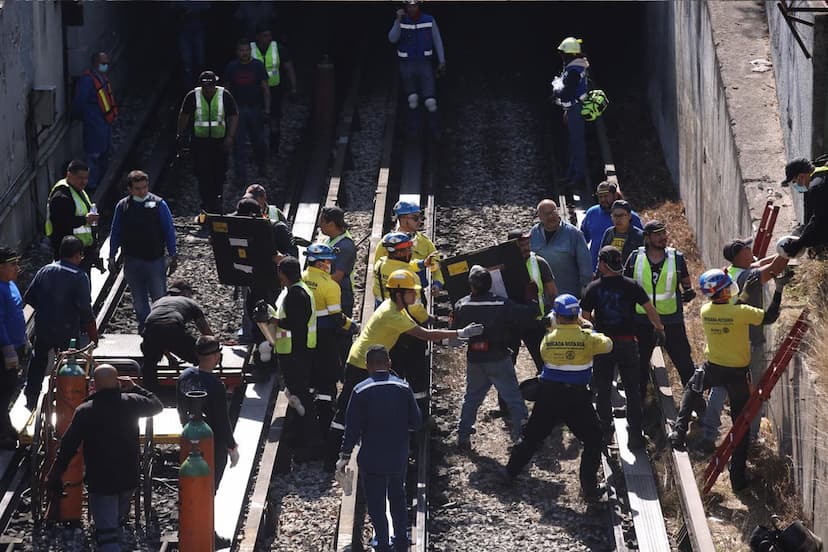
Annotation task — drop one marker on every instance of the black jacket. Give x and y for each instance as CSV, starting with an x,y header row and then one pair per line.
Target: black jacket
x,y
500,317
816,203
107,425
214,407
62,214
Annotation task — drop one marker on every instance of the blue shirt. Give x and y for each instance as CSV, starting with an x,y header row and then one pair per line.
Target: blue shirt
x,y
62,300
12,321
381,412
595,223
167,226
567,254
97,133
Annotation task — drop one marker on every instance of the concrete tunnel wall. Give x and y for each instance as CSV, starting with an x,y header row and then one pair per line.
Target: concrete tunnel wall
x,y
689,106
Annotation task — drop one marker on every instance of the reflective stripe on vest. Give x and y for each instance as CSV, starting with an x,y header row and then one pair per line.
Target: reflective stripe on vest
x,y
271,61
103,93
82,203
274,214
208,118
333,241
734,272
284,339
579,65
413,43
664,296
534,273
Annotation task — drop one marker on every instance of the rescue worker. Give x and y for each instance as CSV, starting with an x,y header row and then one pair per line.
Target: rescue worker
x,y
271,212
215,119
143,226
332,225
13,341
96,106
61,298
69,213
622,234
277,60
725,327
750,277
409,353
662,272
418,38
327,366
389,322
488,359
165,329
541,292
565,396
409,221
381,413
214,406
610,302
598,218
563,247
811,181
106,425
570,89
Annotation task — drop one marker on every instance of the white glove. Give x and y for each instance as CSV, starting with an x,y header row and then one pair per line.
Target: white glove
x,y
234,456
470,331
342,463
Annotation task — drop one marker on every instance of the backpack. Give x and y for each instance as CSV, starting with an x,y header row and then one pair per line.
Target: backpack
x,y
794,538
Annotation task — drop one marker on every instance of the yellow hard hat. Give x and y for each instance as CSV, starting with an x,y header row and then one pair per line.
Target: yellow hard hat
x,y
403,279
570,45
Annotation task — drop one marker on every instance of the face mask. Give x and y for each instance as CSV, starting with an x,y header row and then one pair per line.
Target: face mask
x,y
799,188
140,199
103,67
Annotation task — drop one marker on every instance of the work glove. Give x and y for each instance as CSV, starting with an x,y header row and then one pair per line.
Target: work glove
x,y
342,463
234,456
659,337
172,265
791,248
261,312
550,322
112,265
10,357
688,295
471,330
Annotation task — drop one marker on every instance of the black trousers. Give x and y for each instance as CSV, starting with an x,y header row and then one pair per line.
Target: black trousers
x,y
275,117
568,404
43,345
324,375
220,461
162,338
408,360
678,347
531,338
624,355
210,167
737,383
353,376
296,371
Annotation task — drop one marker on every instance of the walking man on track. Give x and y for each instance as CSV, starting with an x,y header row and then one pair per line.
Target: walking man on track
x,y
62,300
728,360
598,218
13,341
381,413
570,89
563,247
565,396
142,225
215,119
106,424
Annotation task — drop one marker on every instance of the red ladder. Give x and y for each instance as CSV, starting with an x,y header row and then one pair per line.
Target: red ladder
x,y
763,234
760,394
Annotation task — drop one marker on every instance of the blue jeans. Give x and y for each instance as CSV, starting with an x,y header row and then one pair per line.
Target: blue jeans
x,y
147,282
480,376
378,487
251,126
108,510
715,402
576,126
97,163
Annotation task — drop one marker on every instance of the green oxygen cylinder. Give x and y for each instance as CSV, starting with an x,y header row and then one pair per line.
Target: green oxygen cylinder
x,y
197,430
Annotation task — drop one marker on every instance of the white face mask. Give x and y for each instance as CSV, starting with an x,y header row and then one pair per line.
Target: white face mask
x,y
799,188
140,199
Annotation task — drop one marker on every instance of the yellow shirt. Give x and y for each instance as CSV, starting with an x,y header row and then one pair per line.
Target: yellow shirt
x,y
382,269
423,247
567,353
327,296
726,329
383,328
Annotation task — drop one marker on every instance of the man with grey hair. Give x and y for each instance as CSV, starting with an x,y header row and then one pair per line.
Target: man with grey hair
x,y
563,247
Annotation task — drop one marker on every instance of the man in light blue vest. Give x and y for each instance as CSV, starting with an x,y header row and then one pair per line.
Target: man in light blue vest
x,y
418,38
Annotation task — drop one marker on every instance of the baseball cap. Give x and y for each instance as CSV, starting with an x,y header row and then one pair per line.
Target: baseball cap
x,y
797,166
606,187
8,255
621,204
207,345
654,226
208,77
612,256
732,248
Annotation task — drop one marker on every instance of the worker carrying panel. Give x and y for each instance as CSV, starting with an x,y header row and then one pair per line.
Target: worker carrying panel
x,y
243,248
505,263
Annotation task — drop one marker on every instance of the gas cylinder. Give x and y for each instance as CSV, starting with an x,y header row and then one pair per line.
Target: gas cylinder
x,y
195,504
197,430
71,391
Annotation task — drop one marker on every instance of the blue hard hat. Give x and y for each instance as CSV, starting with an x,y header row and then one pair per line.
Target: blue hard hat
x,y
396,240
320,252
406,208
713,281
566,305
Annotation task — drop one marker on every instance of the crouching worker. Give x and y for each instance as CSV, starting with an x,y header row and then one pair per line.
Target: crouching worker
x,y
564,395
106,423
725,327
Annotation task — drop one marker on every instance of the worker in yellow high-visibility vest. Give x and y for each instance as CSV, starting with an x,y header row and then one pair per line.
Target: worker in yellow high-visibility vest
x,y
276,59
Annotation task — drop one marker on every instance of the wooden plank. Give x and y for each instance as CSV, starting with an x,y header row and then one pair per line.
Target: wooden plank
x,y
258,502
692,507
230,497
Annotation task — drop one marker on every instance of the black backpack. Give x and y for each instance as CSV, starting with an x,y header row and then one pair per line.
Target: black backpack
x,y
794,538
